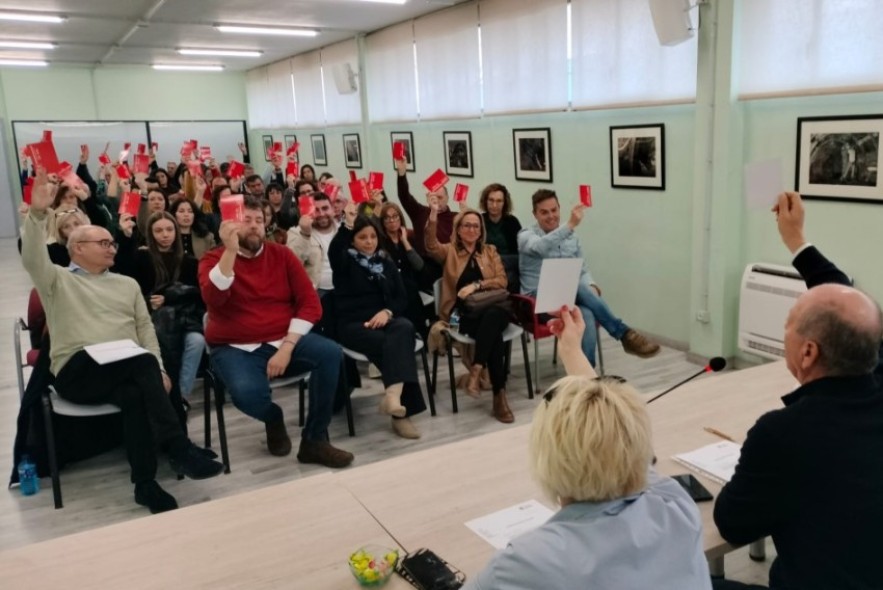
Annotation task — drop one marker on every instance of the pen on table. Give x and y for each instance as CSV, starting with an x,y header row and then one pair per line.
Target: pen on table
x,y
717,432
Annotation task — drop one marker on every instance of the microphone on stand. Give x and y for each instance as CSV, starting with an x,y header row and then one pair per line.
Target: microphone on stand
x,y
714,365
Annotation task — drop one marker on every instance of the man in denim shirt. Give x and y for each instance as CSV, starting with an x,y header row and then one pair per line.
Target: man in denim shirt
x,y
549,239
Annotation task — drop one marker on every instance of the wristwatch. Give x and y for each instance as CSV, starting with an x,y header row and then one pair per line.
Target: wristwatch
x,y
388,311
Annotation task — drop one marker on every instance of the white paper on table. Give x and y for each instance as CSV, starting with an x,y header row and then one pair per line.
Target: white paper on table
x,y
716,461
762,183
498,528
559,280
109,352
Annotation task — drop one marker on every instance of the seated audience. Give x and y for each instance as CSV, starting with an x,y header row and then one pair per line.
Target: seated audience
x,y
310,241
810,474
196,239
308,173
138,385
261,308
370,301
547,238
620,524
65,223
254,186
323,179
470,265
502,228
395,240
419,213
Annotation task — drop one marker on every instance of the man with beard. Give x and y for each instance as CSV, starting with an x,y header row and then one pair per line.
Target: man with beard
x,y
261,308
310,241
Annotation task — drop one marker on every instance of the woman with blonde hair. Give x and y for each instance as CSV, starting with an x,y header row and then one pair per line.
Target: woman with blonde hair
x,y
620,524
470,265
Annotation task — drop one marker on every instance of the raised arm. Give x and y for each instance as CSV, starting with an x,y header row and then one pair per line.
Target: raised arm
x,y
409,203
34,256
569,328
434,248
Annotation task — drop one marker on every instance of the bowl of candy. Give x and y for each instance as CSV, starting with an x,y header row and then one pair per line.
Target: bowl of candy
x,y
372,565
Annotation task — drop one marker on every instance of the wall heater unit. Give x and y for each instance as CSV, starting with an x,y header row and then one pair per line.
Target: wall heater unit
x,y
768,293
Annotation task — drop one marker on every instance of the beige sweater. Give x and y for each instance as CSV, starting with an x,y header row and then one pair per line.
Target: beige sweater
x,y
81,308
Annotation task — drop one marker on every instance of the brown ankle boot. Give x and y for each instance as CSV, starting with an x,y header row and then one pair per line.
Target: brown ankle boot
x,y
633,342
502,412
473,385
391,402
278,442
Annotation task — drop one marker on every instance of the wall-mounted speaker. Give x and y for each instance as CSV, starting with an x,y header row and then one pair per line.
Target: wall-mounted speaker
x,y
344,78
671,19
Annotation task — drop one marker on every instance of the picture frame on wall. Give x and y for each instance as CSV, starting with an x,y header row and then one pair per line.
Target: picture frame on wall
x,y
352,150
320,156
458,153
290,140
407,138
268,146
839,158
533,154
637,156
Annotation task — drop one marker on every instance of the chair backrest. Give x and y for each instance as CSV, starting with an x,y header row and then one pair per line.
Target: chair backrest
x,y
36,319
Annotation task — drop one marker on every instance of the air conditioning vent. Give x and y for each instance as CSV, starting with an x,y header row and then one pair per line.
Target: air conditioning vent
x,y
768,293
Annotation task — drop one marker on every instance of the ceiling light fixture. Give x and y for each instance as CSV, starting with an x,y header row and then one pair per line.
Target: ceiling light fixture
x,y
221,52
187,68
31,17
267,31
33,63
387,1
27,45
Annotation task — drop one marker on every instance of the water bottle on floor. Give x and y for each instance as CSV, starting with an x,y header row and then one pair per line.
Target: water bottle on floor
x,y
454,321
27,477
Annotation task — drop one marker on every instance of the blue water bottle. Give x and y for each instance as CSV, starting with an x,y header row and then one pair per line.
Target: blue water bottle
x,y
27,477
454,321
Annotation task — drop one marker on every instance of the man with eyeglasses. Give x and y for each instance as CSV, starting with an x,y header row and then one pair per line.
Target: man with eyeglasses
x,y
86,304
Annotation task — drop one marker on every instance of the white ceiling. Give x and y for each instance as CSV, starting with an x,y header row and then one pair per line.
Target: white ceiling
x,y
143,32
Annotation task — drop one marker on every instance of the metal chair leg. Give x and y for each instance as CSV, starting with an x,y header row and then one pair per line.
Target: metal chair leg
x,y
451,373
757,550
434,374
301,403
207,408
536,364
50,448
428,386
600,352
222,429
527,365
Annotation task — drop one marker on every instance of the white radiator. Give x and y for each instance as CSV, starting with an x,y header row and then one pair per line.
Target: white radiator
x,y
768,293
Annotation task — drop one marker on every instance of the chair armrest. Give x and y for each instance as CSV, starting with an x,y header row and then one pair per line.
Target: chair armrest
x,y
524,310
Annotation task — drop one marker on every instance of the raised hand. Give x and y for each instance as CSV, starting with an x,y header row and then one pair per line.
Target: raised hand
x,y
127,224
84,154
43,191
576,215
229,234
789,218
401,167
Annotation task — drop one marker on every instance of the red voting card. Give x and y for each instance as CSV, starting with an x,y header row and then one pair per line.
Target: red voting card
x,y
307,205
142,164
332,190
68,176
205,152
375,181
193,144
460,192
236,169
187,150
353,176
398,151
232,208
292,149
436,180
585,195
43,156
123,172
359,191
47,135
291,169
130,203
195,168
104,159
83,147
142,149
277,147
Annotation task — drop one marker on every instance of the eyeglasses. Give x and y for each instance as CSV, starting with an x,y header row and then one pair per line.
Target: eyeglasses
x,y
392,217
65,212
547,397
305,191
470,226
105,244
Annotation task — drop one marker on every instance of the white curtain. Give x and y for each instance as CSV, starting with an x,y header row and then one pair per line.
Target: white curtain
x,y
340,109
392,76
257,94
281,94
799,45
617,57
308,96
524,55
449,78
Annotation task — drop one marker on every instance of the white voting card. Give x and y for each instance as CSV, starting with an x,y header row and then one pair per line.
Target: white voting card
x,y
109,352
717,460
559,280
498,528
762,183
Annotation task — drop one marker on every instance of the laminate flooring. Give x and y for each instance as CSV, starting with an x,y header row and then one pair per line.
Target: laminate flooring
x,y
97,492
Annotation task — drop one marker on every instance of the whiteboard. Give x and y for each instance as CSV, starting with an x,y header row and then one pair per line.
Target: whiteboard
x,y
69,135
222,136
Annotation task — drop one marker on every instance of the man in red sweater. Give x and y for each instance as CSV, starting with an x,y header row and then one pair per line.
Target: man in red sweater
x,y
261,307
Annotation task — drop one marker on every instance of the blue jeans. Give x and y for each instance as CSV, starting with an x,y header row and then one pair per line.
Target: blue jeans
x,y
595,309
245,376
194,346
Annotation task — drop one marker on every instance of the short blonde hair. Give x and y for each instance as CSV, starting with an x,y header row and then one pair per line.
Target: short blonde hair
x,y
591,441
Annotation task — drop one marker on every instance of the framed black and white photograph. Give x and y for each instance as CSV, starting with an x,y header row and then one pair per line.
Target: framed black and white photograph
x,y
290,140
320,157
458,153
637,157
838,158
268,146
406,138
533,154
352,150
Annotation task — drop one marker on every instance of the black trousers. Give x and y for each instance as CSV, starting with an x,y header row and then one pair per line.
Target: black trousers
x,y
135,385
391,348
490,350
721,584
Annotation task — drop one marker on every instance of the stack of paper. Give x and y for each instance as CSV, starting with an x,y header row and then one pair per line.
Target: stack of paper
x,y
504,525
110,352
716,461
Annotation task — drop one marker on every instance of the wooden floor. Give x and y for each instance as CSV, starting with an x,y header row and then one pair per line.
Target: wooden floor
x,y
97,492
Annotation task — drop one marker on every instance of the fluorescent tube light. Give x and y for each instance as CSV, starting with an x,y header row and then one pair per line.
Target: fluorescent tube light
x,y
27,45
221,52
267,31
187,68
34,63
30,17
387,1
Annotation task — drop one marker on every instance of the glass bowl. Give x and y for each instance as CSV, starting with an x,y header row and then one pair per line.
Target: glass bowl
x,y
372,565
